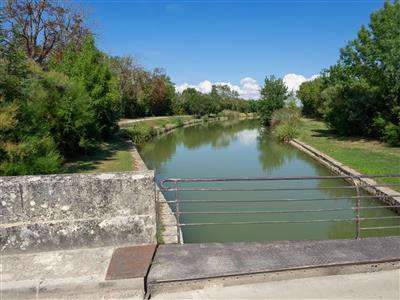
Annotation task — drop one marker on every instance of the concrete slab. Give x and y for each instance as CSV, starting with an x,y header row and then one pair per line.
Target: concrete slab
x,y
191,262
379,285
72,274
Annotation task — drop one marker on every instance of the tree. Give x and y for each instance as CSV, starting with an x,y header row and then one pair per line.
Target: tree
x,y
362,94
273,95
88,66
159,93
309,94
45,26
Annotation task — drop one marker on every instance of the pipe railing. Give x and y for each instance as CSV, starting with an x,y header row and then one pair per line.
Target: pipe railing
x,y
356,183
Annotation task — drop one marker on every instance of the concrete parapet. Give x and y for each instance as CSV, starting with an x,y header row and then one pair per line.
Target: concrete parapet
x,y
50,212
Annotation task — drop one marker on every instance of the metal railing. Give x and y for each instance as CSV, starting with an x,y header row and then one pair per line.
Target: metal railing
x,y
363,187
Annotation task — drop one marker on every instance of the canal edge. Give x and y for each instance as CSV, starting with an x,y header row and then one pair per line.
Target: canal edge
x,y
385,194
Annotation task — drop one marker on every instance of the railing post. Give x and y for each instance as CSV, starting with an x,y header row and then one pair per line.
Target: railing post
x,y
158,213
177,211
358,230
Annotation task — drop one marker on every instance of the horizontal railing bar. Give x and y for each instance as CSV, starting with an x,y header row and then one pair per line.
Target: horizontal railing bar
x,y
276,178
287,222
380,227
277,211
274,189
284,222
275,200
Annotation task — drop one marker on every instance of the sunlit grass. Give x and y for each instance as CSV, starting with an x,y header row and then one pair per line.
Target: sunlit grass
x,y
367,156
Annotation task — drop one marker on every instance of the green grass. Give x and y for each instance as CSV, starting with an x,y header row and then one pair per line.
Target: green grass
x,y
364,155
110,156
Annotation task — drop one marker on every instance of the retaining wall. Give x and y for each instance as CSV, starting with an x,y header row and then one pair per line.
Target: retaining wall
x,y
77,210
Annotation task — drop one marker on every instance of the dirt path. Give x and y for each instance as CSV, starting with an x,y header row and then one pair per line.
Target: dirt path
x,y
132,121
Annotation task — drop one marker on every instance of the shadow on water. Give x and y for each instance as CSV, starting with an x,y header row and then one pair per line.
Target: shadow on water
x,y
241,149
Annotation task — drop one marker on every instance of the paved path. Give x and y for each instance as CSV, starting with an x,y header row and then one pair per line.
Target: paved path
x,y
379,285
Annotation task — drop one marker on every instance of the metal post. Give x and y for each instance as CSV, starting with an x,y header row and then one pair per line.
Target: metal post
x,y
157,207
178,222
358,230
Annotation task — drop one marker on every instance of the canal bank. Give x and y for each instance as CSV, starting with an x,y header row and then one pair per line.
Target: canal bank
x,y
385,194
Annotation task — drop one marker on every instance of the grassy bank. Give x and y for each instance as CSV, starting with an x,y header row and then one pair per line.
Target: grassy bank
x,y
110,156
364,155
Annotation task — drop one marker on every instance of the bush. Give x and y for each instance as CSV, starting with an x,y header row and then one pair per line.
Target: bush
x,y
286,132
32,155
178,121
284,124
140,133
205,118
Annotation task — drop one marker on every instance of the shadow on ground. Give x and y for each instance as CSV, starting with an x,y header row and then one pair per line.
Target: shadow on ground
x,y
93,160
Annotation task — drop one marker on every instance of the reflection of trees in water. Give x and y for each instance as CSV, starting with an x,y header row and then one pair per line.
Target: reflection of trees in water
x,y
218,135
273,154
160,149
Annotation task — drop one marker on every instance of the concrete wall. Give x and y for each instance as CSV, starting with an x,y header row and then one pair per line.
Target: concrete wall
x,y
79,210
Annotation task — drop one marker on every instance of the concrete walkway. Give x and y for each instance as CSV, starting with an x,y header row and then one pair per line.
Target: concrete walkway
x,y
177,267
379,285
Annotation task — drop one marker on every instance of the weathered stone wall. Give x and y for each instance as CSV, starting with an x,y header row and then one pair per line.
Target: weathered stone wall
x,y
78,210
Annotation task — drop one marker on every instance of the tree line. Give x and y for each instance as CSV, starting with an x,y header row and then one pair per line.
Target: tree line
x,y
60,95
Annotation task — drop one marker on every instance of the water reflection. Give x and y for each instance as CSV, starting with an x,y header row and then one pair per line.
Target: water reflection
x,y
241,149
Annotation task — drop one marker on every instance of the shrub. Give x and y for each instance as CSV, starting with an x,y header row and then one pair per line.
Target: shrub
x,y
205,118
178,121
284,124
140,133
286,132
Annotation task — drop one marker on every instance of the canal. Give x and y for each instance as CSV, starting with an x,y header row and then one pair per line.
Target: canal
x,y
242,149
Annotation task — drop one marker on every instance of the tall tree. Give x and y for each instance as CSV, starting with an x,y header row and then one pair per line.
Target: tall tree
x,y
273,95
363,88
45,26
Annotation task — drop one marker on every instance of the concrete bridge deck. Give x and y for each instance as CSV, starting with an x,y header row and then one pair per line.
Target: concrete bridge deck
x,y
176,267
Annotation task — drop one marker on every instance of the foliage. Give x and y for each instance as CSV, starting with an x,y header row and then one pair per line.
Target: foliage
x,y
140,133
309,94
89,67
284,123
43,115
273,95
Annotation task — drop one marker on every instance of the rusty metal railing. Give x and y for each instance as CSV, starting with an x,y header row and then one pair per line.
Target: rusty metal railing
x,y
363,187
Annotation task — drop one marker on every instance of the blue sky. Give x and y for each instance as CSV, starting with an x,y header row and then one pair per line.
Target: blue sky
x,y
226,41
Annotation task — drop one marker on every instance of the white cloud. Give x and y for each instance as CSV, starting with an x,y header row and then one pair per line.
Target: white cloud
x,y
293,81
247,89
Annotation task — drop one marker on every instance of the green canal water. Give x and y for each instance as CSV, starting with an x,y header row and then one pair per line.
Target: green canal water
x,y
242,149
